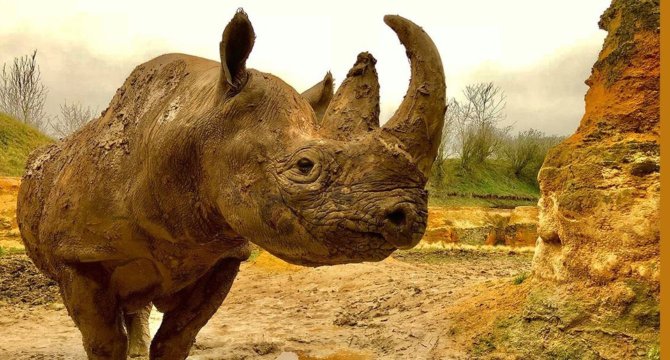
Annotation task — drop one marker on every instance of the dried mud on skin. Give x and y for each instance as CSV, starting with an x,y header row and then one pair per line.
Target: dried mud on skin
x,y
388,310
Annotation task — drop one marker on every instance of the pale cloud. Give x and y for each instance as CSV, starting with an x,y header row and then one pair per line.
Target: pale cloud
x,y
540,52
547,95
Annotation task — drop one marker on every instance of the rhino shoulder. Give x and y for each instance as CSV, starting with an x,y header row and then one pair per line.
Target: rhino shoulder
x,y
39,158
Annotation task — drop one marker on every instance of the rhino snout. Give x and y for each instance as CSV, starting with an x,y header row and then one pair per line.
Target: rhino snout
x,y
403,225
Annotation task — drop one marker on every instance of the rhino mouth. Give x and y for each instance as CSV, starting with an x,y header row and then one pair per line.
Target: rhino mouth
x,y
375,239
385,235
388,242
345,246
378,237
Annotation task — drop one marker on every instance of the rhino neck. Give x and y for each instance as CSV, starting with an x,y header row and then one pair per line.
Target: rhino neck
x,y
167,198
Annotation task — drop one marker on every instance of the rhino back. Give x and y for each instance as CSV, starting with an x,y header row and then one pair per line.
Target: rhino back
x,y
75,198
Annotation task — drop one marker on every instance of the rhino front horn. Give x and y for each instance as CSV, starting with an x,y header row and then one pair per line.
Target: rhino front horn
x,y
417,124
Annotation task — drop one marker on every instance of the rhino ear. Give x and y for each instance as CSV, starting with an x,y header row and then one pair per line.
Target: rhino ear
x,y
235,46
319,95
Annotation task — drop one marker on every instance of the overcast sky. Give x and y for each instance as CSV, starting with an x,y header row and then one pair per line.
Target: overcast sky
x,y
540,52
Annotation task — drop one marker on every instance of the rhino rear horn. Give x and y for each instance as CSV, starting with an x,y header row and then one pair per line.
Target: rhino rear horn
x,y
235,46
417,123
319,95
355,108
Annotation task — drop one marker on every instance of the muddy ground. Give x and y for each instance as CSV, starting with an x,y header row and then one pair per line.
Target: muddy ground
x,y
389,310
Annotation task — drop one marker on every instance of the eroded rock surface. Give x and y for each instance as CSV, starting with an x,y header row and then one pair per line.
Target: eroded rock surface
x,y
597,263
482,226
594,289
600,189
521,229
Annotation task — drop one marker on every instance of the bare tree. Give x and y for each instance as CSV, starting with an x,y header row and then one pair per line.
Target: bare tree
x,y
519,152
478,133
443,152
527,150
22,94
72,117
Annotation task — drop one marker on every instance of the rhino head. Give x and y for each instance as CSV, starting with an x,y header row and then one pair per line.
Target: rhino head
x,y
313,178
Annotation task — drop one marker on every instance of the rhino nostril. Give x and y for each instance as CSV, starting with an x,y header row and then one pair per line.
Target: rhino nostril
x,y
397,217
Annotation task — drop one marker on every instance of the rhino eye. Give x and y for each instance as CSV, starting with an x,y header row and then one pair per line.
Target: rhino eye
x,y
305,165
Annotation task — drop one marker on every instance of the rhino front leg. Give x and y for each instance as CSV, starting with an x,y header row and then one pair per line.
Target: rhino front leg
x,y
95,311
139,337
195,305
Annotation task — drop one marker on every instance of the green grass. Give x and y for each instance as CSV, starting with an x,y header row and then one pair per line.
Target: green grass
x,y
519,279
490,184
467,200
654,352
255,252
6,251
17,140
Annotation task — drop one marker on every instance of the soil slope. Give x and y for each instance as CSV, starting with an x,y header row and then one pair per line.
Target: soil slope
x,y
17,140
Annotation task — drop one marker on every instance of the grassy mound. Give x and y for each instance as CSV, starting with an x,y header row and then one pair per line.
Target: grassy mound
x,y
490,184
17,140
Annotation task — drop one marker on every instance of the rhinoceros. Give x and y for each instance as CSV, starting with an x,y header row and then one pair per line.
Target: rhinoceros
x,y
157,201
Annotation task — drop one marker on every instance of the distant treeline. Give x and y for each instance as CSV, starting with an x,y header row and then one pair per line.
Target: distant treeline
x,y
23,95
476,144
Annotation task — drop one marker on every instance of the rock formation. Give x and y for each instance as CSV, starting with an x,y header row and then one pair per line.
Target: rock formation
x,y
470,225
521,228
594,289
597,264
600,190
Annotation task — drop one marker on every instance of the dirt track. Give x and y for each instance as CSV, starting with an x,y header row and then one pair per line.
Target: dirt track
x,y
389,310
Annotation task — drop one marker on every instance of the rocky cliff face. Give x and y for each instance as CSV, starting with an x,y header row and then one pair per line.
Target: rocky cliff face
x,y
469,225
594,291
600,190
